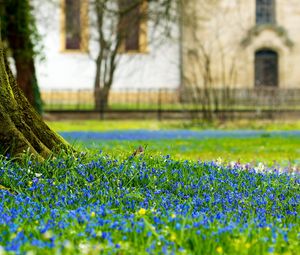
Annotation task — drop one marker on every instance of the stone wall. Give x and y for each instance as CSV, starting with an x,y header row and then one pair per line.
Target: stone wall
x,y
220,39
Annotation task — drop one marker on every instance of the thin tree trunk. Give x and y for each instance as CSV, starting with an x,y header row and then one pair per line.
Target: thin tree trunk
x,y
104,94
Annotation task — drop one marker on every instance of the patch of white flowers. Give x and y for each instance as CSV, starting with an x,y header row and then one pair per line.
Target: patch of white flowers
x,y
2,251
259,168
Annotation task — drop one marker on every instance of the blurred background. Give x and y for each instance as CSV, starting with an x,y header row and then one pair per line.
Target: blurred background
x,y
164,59
163,65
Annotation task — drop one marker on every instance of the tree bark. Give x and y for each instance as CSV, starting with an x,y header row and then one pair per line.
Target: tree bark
x,y
22,129
18,35
104,94
25,76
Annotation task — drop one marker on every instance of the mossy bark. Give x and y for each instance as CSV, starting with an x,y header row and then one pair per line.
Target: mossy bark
x,y
22,129
21,35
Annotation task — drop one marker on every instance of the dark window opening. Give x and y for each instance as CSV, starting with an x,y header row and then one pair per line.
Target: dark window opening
x,y
130,24
265,12
73,24
266,68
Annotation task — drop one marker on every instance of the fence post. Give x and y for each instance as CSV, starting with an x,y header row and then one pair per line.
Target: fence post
x,y
159,105
78,99
101,110
101,105
138,99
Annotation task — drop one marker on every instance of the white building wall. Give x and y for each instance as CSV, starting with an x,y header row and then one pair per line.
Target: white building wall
x,y
159,68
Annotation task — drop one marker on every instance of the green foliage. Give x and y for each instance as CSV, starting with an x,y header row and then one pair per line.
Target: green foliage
x,y
19,32
20,14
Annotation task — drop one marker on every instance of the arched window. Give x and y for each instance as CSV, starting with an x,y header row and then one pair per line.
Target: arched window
x,y
266,68
265,12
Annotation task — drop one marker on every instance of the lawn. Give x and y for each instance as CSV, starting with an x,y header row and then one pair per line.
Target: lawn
x,y
109,201
265,148
282,150
147,205
107,125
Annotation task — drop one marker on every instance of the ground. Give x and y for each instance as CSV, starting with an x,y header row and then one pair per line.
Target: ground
x,y
107,125
266,148
109,201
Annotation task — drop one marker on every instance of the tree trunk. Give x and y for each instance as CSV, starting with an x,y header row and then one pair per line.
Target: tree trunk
x,y
97,99
22,129
101,98
19,26
25,76
104,93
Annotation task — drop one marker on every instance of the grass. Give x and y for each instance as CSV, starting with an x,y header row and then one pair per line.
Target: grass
x,y
97,125
269,150
154,105
266,149
111,202
146,205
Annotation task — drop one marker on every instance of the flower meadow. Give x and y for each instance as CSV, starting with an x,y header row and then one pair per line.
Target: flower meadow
x,y
254,146
131,135
96,204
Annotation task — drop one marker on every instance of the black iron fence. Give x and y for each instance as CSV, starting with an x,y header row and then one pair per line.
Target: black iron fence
x,y
123,99
176,99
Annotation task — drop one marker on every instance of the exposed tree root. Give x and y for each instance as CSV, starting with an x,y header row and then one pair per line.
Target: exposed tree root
x,y
22,129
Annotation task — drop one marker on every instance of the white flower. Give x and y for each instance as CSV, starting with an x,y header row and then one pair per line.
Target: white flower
x,y
30,253
48,234
219,161
232,164
38,175
68,245
260,168
84,248
2,251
